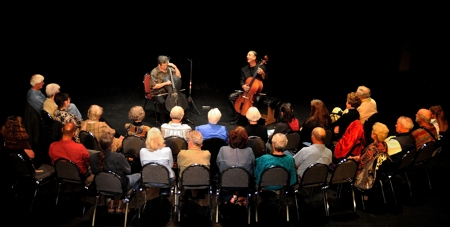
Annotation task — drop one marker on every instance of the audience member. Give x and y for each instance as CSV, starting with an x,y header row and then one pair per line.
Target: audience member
x,y
253,128
34,96
426,131
236,153
97,127
175,127
288,122
368,105
349,115
403,141
277,158
106,160
212,129
50,105
137,127
318,117
316,153
69,149
15,136
194,154
61,114
438,119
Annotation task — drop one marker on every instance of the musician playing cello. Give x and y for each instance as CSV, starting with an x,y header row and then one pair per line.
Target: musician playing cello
x,y
248,71
161,83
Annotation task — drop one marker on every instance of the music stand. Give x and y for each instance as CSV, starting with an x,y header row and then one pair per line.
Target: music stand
x,y
189,99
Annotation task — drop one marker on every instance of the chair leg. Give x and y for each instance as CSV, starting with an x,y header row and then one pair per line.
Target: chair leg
x,y
428,176
296,204
34,196
217,205
362,201
256,206
248,207
393,192
286,204
210,204
84,203
57,196
95,209
353,197
325,201
382,190
126,213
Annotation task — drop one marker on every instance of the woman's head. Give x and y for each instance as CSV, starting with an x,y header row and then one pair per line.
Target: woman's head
x,y
238,137
95,112
105,141
253,114
62,99
353,100
13,130
286,112
136,113
154,140
379,131
279,142
319,112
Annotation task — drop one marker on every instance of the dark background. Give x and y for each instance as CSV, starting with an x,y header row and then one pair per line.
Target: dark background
x,y
320,52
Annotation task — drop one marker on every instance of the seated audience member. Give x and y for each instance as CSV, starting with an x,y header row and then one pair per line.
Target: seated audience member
x,y
97,127
438,119
349,115
403,141
194,154
288,123
316,153
426,131
212,129
34,96
379,134
368,105
156,151
69,149
318,117
50,105
61,114
106,160
277,158
15,136
236,153
137,128
175,127
253,128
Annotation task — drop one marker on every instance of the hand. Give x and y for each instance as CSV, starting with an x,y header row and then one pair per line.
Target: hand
x,y
336,129
260,71
245,87
167,83
172,65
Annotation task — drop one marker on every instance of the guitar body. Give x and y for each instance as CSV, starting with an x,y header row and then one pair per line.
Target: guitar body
x,y
174,97
246,99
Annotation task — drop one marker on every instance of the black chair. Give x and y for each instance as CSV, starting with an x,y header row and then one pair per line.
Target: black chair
x,y
194,177
344,172
68,172
155,175
293,142
314,176
88,140
274,176
232,179
213,145
423,155
47,122
24,172
110,184
131,147
258,146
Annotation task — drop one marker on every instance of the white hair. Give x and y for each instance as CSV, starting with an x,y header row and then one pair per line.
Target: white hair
x,y
52,89
35,79
214,116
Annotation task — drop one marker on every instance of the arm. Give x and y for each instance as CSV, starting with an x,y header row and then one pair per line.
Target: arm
x,y
124,164
177,71
170,157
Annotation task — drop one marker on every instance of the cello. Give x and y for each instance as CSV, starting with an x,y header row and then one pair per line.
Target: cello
x,y
246,99
174,97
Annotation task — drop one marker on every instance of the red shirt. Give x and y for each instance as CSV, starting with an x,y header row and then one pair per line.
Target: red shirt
x,y
71,150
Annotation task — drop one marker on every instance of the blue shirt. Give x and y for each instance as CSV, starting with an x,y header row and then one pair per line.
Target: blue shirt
x,y
213,131
36,99
268,160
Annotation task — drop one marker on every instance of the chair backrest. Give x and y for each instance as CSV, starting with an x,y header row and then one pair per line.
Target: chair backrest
x,y
315,175
46,119
258,146
176,144
235,177
88,140
368,128
56,132
345,171
22,165
108,183
213,145
293,144
132,145
274,176
147,86
155,175
425,152
407,159
195,176
67,171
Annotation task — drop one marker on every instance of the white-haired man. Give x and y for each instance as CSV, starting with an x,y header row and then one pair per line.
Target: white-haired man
x,y
368,105
175,127
35,97
212,129
426,131
50,105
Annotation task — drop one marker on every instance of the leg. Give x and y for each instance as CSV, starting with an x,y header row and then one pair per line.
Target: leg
x,y
161,103
232,98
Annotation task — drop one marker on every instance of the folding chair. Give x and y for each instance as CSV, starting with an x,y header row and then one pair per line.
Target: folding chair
x,y
344,172
258,146
88,140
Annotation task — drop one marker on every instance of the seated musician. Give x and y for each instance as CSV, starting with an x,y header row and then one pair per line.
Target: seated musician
x,y
247,73
161,83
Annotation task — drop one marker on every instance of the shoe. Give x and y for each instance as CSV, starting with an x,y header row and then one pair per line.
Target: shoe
x,y
111,209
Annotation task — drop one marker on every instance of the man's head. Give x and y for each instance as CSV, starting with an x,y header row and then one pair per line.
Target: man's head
x,y
195,137
68,130
176,113
423,116
363,92
318,135
279,142
51,89
253,114
404,124
37,81
163,62
251,56
214,116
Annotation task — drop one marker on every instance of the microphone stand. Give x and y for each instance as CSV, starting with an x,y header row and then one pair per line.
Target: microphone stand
x,y
189,99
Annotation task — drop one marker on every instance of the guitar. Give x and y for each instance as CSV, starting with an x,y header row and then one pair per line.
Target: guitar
x,y
246,99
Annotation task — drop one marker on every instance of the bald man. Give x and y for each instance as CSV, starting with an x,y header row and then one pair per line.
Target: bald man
x,y
316,153
426,131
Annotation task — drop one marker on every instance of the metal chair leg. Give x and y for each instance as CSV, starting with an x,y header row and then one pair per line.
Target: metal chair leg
x,y
382,190
95,209
393,192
